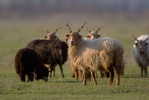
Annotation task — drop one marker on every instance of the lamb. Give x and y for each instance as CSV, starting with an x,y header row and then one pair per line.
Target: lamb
x,y
28,62
141,53
53,52
96,55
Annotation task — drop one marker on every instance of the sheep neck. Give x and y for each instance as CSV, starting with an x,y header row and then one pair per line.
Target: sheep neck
x,y
73,49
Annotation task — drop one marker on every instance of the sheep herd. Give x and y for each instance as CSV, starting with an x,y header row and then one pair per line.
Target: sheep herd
x,y
87,56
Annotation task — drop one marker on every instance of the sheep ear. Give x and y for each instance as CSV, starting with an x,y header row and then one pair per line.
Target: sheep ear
x,y
146,39
88,36
67,35
79,36
98,36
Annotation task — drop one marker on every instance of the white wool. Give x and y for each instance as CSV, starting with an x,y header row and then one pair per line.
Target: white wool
x,y
139,58
96,53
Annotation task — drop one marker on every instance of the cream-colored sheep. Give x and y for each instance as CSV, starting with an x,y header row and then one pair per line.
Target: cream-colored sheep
x,y
94,35
103,54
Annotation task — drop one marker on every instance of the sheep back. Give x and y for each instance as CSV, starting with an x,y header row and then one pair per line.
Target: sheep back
x,y
28,61
47,49
101,52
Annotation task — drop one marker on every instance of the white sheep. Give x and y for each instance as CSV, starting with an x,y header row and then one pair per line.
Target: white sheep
x,y
105,54
141,53
94,35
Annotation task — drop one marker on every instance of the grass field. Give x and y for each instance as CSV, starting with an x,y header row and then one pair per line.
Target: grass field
x,y
15,34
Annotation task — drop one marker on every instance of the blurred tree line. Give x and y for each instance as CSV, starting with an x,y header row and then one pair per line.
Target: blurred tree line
x,y
20,8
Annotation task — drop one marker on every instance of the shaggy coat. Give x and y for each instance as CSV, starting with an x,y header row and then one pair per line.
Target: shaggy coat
x,y
28,62
141,53
52,52
103,54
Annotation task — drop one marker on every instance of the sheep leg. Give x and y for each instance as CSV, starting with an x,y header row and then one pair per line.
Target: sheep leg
x,y
118,73
111,72
60,65
141,71
145,71
96,74
54,71
93,76
84,78
76,75
30,77
102,75
51,69
22,76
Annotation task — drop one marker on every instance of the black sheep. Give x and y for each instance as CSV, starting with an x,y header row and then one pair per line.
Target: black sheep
x,y
28,62
53,52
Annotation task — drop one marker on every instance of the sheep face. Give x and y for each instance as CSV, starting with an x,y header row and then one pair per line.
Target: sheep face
x,y
73,38
51,36
141,46
44,74
93,35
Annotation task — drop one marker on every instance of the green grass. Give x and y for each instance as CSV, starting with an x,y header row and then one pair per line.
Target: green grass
x,y
14,37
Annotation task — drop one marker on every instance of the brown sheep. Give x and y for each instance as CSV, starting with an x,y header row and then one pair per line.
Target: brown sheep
x,y
51,35
28,62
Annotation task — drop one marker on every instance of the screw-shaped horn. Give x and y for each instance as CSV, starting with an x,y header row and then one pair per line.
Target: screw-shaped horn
x,y
57,30
46,30
134,38
87,30
68,27
99,28
81,27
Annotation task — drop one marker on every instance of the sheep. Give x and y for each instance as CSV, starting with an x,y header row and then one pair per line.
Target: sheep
x,y
91,36
94,35
27,62
141,53
51,35
105,54
53,52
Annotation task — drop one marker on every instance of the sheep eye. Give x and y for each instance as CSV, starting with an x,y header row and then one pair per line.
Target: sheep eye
x,y
146,43
136,44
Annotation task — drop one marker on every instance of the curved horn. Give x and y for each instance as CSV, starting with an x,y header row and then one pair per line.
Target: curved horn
x,y
146,39
134,38
68,27
57,29
81,27
99,28
87,29
46,30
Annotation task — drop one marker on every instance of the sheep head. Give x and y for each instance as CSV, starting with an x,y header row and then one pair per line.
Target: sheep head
x,y
93,34
141,45
51,35
74,37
